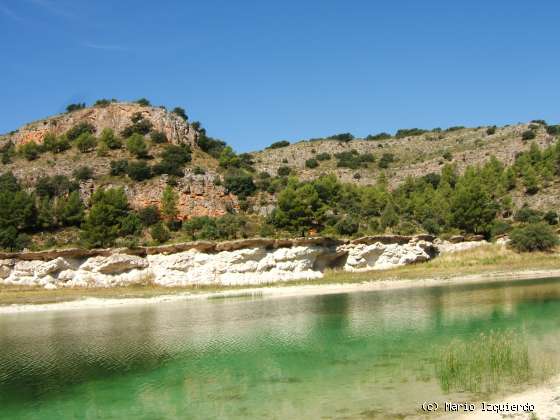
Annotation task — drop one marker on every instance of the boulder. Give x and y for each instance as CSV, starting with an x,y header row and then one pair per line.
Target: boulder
x,y
114,264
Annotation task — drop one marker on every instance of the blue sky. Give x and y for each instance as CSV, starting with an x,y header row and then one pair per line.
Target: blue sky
x,y
254,72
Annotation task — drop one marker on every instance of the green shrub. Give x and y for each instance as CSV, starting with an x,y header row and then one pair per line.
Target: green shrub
x,y
119,167
83,173
533,237
139,125
345,137
323,156
54,186
386,160
499,227
143,102
491,130
379,136
136,144
527,215
240,184
180,112
160,233
347,226
75,107
447,155
173,160
54,144
138,170
86,142
528,135
279,144
102,103
311,163
149,215
409,132
284,171
213,147
109,138
553,130
80,129
30,151
158,137
551,217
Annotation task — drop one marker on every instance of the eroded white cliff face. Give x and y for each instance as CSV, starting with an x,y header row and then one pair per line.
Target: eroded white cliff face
x,y
259,263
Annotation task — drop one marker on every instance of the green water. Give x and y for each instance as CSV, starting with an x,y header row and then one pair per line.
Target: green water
x,y
355,355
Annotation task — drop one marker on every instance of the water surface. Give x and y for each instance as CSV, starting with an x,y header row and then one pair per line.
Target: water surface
x,y
353,355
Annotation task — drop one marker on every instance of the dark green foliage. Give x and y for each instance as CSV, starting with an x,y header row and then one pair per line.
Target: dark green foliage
x,y
553,130
180,112
323,156
279,144
213,147
345,137
353,159
173,160
80,129
447,155
136,144
139,170
226,227
69,210
18,214
551,217
408,132
83,173
139,125
499,227
75,107
160,233
54,144
539,122
389,217
8,150
86,142
311,163
54,186
101,103
149,215
528,135
143,102
527,215
158,137
284,171
491,130
347,226
107,218
533,237
229,159
240,183
386,160
119,167
109,138
454,128
379,136
472,209
30,151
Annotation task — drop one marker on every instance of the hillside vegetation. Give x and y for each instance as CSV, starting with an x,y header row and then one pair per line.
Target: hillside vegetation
x,y
128,174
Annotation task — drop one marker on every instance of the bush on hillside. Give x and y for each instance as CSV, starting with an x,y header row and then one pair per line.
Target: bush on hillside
x,y
83,173
311,163
528,135
136,144
533,237
86,142
138,170
279,144
80,129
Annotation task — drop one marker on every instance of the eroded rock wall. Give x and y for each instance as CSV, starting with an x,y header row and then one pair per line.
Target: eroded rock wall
x,y
250,262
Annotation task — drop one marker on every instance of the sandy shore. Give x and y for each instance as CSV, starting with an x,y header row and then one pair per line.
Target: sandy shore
x,y
545,399
283,291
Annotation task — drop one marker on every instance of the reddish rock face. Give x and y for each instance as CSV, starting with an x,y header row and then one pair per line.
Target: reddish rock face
x,y
116,116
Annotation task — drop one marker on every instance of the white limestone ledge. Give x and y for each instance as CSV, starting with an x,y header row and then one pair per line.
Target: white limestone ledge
x,y
244,262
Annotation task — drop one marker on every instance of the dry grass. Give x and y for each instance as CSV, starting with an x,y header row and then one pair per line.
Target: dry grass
x,y
489,259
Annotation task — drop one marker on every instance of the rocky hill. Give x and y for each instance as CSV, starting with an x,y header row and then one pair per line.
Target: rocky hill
x,y
199,194
161,178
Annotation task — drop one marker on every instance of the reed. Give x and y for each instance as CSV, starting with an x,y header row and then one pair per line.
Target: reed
x,y
483,364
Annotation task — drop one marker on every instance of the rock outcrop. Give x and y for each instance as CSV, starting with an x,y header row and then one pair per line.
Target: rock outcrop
x,y
246,262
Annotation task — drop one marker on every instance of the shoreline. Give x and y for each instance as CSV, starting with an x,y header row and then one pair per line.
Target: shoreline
x,y
279,290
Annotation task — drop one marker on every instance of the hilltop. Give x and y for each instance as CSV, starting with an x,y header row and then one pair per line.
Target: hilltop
x,y
128,174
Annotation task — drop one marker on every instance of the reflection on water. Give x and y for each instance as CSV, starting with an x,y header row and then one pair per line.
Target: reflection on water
x,y
357,355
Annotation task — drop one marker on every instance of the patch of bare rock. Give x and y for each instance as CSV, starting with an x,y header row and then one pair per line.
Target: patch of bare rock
x,y
243,262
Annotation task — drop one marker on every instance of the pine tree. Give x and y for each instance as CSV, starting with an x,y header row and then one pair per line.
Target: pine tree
x,y
169,201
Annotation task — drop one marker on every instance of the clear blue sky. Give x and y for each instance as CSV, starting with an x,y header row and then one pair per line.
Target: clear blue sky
x,y
254,72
